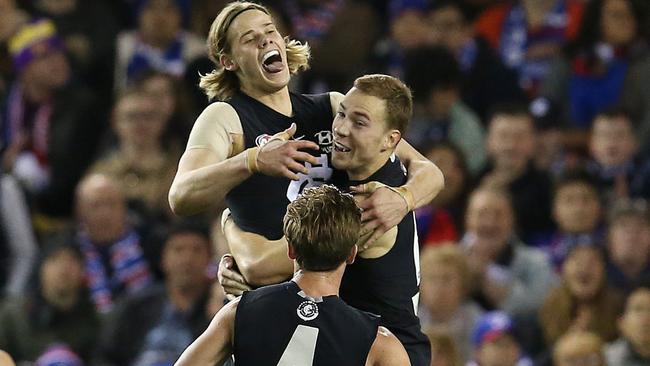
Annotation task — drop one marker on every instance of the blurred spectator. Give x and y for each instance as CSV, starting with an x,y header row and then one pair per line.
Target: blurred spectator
x,y
511,143
444,351
59,355
113,252
527,34
485,80
332,28
579,348
442,220
172,101
614,146
507,274
444,290
633,348
91,47
583,301
57,311
577,213
48,128
18,246
628,245
159,43
142,163
153,327
12,19
495,344
590,74
439,113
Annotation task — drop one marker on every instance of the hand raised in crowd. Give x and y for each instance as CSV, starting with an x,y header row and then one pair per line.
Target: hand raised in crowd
x,y
231,280
282,157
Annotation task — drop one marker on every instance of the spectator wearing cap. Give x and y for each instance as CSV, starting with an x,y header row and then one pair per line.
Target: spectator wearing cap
x,y
49,128
507,274
153,327
59,355
495,343
613,145
583,301
577,212
439,113
628,243
579,348
59,310
633,347
159,42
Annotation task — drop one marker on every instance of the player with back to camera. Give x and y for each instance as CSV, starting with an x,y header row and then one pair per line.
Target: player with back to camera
x,y
303,321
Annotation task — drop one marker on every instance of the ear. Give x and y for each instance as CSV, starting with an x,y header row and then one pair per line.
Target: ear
x,y
391,140
227,63
291,252
352,256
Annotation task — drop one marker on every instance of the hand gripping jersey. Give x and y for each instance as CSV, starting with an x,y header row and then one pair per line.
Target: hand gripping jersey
x,y
279,325
389,285
259,203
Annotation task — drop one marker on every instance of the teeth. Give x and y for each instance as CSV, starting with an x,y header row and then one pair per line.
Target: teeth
x,y
338,146
270,54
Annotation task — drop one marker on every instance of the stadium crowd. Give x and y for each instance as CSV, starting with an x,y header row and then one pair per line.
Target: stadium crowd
x,y
536,252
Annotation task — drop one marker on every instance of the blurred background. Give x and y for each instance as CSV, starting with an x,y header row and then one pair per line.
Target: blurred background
x,y
537,251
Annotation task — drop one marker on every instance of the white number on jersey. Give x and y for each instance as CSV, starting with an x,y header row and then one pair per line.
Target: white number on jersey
x,y
301,348
318,175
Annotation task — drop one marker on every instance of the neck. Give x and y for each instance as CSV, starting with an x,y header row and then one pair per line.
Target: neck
x,y
146,155
184,297
318,284
279,101
35,93
367,170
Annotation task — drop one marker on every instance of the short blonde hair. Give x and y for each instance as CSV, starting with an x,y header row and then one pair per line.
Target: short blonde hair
x,y
322,226
447,255
220,83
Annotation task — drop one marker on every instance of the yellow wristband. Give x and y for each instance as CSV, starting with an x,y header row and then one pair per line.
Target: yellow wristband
x,y
406,195
251,159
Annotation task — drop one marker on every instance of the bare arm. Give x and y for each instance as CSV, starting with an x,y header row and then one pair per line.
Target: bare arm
x,y
424,178
214,346
387,350
215,161
260,261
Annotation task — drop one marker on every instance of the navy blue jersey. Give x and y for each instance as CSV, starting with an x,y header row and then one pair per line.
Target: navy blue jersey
x,y
389,285
279,325
259,203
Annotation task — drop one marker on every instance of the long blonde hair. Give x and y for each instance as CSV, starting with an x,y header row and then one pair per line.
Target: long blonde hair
x,y
220,83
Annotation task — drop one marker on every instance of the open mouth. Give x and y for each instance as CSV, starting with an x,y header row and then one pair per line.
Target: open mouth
x,y
272,62
340,147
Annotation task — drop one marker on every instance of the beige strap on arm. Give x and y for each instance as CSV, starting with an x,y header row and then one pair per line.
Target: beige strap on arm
x,y
403,191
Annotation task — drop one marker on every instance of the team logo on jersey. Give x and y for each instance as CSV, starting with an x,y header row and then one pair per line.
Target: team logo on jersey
x,y
307,310
324,141
262,139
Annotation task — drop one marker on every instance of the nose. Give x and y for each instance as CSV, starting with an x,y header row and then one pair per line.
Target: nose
x,y
340,128
264,40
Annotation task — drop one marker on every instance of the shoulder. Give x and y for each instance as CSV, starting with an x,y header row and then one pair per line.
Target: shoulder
x,y
219,111
263,293
335,100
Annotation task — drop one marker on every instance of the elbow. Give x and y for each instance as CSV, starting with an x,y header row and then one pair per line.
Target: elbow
x,y
177,201
438,181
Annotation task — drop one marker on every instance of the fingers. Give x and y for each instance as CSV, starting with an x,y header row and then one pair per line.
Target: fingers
x,y
304,144
369,187
289,132
305,157
297,167
374,237
230,297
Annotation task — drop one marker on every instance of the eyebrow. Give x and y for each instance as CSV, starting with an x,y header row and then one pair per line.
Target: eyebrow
x,y
253,30
358,113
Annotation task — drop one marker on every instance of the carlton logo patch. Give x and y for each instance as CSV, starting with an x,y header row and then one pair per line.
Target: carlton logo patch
x,y
307,310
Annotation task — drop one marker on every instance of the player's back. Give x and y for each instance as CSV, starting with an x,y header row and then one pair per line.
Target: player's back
x,y
280,326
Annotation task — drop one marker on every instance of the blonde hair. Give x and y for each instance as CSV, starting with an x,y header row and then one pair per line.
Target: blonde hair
x,y
322,226
220,83
578,340
447,255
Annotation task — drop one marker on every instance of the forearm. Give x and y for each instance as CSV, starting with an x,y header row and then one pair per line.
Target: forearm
x,y
260,261
424,178
200,189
